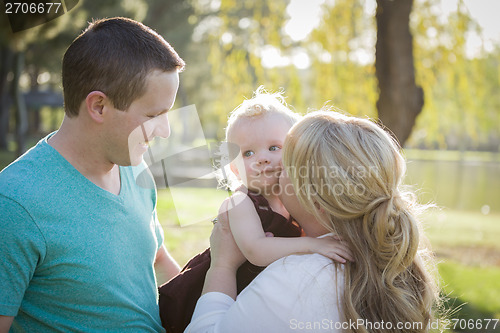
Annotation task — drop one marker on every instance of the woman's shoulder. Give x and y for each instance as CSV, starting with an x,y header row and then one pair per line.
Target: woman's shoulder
x,y
312,264
304,288
306,272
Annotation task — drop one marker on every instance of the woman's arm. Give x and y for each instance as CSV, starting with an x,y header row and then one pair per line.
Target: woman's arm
x,y
260,250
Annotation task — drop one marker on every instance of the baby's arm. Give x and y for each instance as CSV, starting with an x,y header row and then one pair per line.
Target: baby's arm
x,y
261,250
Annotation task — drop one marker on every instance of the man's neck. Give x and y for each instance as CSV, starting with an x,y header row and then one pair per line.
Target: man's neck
x,y
79,148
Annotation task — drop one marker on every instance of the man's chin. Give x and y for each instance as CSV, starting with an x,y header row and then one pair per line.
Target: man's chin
x,y
136,156
135,160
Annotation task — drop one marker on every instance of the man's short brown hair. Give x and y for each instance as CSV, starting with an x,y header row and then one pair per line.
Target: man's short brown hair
x,y
114,56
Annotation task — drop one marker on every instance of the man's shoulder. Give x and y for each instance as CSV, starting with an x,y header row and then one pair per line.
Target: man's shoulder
x,y
24,173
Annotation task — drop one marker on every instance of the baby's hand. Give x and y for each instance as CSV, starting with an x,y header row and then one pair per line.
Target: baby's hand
x,y
333,248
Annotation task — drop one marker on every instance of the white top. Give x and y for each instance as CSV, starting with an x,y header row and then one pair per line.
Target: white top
x,y
295,293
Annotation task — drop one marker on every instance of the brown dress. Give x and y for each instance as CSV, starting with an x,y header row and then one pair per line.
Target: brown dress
x,y
178,296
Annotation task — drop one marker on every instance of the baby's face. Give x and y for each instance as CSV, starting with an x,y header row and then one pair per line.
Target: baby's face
x,y
260,140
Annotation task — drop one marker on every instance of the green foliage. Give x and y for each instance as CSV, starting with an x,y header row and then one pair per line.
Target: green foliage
x,y
339,77
450,230
461,110
235,34
225,44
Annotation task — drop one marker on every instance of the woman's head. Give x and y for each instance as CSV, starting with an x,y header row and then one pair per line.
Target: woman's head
x,y
346,165
258,128
347,172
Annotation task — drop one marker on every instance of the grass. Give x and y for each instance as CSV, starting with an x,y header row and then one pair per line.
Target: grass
x,y
451,155
467,247
468,237
462,228
477,287
185,215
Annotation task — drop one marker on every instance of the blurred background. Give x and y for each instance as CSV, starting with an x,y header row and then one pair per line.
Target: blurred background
x,y
427,69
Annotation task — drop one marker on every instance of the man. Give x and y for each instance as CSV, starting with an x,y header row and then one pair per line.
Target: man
x,y
78,237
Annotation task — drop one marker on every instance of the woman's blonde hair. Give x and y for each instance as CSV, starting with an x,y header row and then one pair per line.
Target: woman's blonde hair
x,y
348,172
263,103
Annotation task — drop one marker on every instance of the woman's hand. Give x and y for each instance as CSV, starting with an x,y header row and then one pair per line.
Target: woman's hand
x,y
224,251
226,257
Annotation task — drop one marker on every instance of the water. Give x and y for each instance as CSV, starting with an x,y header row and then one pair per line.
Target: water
x,y
462,185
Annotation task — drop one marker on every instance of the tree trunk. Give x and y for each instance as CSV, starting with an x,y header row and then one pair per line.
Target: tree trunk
x,y
34,111
21,112
400,99
6,58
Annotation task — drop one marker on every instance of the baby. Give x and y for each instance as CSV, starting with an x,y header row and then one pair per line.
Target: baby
x,y
258,127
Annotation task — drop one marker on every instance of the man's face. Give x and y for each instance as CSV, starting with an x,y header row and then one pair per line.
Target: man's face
x,y
145,119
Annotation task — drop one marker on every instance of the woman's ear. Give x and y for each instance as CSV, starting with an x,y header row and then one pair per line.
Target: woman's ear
x,y
95,102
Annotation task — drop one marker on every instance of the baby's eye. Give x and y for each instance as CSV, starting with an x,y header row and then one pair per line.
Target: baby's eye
x,y
248,153
274,148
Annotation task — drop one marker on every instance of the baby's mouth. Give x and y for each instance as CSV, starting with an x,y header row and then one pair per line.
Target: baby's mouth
x,y
270,170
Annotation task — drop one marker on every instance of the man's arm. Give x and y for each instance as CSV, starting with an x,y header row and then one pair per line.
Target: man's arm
x,y
165,266
22,246
5,323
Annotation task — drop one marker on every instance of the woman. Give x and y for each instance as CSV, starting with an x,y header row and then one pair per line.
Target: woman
x,y
342,176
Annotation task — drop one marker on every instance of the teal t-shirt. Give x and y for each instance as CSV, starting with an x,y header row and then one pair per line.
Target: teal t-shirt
x,y
74,257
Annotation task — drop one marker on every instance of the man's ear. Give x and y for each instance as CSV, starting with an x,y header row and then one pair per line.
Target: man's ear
x,y
95,103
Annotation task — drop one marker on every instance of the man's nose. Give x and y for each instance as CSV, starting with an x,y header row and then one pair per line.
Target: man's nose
x,y
162,126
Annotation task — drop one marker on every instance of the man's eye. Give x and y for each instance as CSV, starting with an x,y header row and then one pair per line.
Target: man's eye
x,y
274,148
248,153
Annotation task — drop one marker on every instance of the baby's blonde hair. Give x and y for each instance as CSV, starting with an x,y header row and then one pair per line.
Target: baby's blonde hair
x,y
262,104
348,173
